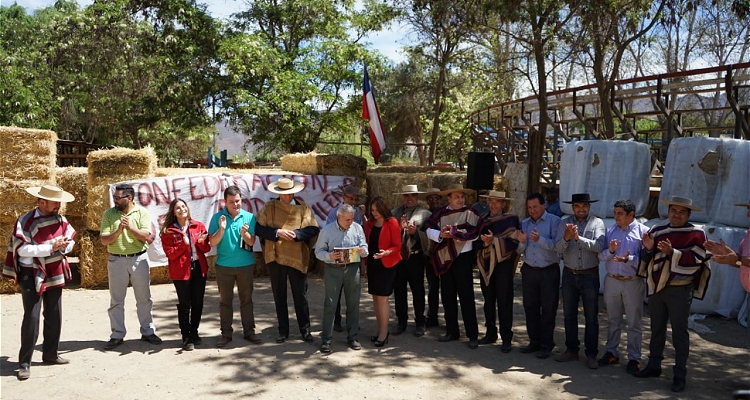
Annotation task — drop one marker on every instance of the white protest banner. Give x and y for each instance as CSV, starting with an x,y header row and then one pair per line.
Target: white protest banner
x,y
204,195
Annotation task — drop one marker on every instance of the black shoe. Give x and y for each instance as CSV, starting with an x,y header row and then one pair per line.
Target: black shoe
x,y
399,329
473,344
196,339
419,332
354,345
325,348
57,361
543,354
431,323
187,345
488,339
308,337
23,372
281,338
447,338
608,359
152,338
648,372
338,327
374,338
505,348
381,343
678,385
633,367
113,343
530,348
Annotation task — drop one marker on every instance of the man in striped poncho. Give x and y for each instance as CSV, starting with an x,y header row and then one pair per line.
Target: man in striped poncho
x,y
675,265
36,261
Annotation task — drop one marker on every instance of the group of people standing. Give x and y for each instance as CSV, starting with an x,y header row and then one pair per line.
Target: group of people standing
x,y
393,248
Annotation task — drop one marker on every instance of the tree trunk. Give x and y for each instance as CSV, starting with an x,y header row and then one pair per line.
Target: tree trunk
x,y
436,110
537,137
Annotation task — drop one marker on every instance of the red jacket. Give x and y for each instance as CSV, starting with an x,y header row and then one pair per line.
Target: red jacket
x,y
178,253
390,239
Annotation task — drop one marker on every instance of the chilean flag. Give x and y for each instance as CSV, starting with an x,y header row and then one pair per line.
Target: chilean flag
x,y
371,113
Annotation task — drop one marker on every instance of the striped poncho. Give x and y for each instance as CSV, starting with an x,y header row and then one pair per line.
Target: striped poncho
x,y
467,224
503,245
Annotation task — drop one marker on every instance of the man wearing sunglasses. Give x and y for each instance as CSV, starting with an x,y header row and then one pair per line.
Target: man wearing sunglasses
x,y
126,231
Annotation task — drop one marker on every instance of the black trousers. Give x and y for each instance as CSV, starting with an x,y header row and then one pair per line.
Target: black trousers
x,y
410,272
541,294
433,293
500,293
670,304
459,282
190,295
298,283
32,308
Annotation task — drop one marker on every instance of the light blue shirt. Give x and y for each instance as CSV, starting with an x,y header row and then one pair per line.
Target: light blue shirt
x,y
542,253
333,236
630,240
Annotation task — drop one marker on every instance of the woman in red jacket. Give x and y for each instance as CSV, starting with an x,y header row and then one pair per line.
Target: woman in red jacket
x,y
383,234
184,242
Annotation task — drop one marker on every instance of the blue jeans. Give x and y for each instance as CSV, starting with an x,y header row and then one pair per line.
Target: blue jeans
x,y
586,288
335,278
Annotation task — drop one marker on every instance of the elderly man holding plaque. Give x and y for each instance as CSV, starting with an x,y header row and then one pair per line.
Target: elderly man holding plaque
x,y
286,227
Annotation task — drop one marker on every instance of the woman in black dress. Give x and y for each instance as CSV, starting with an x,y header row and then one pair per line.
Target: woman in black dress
x,y
383,234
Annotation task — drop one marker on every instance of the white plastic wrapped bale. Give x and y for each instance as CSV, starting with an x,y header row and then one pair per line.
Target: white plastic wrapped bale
x,y
725,293
607,170
714,173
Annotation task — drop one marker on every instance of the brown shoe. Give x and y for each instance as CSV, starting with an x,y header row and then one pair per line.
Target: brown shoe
x,y
253,338
592,363
566,356
223,341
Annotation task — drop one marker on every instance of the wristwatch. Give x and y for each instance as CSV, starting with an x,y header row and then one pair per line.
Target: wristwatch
x,y
738,263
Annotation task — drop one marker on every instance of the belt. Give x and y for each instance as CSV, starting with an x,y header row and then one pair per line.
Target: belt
x,y
538,268
129,255
587,271
415,251
623,278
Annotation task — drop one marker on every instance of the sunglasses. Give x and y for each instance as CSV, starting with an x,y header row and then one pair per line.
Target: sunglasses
x,y
120,197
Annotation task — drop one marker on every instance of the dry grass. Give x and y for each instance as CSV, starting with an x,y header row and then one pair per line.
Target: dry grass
x,y
92,260
326,164
74,180
16,200
7,286
111,166
27,154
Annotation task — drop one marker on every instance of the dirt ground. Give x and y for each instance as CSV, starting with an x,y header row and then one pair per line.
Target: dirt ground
x,y
407,368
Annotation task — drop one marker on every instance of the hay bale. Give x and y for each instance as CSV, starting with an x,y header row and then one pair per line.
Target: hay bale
x,y
303,163
7,286
111,166
79,224
16,200
387,184
411,169
326,164
159,275
92,261
74,181
27,154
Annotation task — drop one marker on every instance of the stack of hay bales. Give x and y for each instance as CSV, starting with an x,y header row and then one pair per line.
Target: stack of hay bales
x,y
74,181
327,164
104,168
27,158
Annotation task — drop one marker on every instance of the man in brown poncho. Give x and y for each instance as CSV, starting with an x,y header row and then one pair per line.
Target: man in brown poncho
x,y
287,227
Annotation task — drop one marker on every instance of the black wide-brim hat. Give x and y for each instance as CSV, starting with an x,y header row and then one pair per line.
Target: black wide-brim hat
x,y
580,198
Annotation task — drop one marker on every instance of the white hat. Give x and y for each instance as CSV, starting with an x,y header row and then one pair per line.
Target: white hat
x,y
286,186
409,189
496,194
682,202
51,193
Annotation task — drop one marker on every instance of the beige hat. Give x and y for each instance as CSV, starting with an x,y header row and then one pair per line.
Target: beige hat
x,y
409,189
496,194
431,192
682,202
51,193
456,188
286,186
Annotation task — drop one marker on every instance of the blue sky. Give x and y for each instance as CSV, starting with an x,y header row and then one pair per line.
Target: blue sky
x,y
387,42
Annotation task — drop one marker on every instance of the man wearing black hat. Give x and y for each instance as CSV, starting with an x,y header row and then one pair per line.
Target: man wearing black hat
x,y
580,238
675,265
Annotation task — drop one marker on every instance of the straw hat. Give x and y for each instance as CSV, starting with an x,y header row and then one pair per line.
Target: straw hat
x,y
682,202
456,188
580,198
409,189
286,186
51,193
495,194
430,192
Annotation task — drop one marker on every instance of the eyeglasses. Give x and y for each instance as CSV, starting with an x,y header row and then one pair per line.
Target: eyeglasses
x,y
116,197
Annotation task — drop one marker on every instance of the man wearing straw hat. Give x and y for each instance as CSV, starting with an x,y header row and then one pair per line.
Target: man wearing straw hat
x,y
434,202
675,265
741,259
36,262
496,260
453,229
350,195
286,227
410,270
126,231
580,238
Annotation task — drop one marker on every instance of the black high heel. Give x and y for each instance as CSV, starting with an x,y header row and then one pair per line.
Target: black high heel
x,y
381,343
374,338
